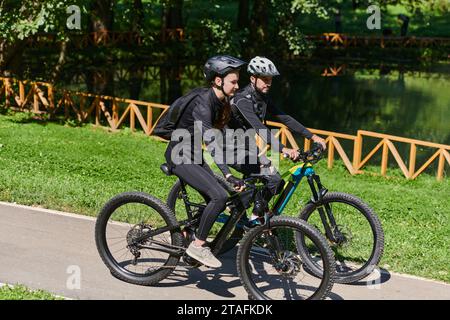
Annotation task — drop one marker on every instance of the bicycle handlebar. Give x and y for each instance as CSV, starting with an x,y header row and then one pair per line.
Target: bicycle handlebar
x,y
310,156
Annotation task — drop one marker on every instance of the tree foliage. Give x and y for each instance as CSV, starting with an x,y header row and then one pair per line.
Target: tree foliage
x,y
245,27
21,19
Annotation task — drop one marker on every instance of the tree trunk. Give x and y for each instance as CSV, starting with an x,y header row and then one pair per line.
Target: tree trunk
x,y
243,14
138,22
175,14
172,19
137,71
163,84
136,77
11,52
174,91
338,22
100,82
11,57
102,16
243,24
61,60
101,22
259,24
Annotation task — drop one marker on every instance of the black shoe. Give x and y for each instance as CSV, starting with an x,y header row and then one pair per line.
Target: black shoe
x,y
253,223
260,207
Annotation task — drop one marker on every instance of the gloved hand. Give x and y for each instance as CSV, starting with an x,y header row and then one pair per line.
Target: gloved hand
x,y
291,153
236,182
320,141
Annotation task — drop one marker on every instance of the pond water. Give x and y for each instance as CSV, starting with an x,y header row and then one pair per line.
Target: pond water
x,y
413,104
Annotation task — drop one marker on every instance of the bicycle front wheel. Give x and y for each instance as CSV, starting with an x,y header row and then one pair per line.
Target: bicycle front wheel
x,y
356,236
270,267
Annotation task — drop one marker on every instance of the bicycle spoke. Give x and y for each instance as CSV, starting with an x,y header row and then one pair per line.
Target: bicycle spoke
x,y
128,222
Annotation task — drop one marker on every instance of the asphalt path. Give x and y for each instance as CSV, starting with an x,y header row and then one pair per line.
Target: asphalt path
x,y
56,252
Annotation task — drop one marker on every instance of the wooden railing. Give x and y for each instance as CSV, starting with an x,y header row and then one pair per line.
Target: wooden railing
x,y
387,146
105,38
43,98
331,139
346,41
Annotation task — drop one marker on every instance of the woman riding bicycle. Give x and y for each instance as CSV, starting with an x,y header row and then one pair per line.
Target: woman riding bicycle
x,y
208,109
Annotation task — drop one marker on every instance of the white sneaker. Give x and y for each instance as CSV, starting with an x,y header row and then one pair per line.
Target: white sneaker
x,y
203,255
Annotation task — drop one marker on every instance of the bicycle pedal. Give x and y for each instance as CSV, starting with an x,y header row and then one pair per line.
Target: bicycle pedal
x,y
191,261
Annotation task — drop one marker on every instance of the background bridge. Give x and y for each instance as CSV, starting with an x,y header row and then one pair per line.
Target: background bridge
x,y
130,38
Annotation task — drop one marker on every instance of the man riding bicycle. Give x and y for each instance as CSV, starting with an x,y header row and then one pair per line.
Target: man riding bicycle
x,y
250,108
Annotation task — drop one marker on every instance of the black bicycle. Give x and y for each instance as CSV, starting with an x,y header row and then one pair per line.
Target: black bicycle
x,y
351,227
141,241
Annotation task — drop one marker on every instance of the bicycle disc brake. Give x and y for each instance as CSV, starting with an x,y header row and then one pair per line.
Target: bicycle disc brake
x,y
343,235
289,265
135,233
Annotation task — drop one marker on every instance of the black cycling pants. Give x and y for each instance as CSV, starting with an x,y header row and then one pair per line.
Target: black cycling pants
x,y
202,179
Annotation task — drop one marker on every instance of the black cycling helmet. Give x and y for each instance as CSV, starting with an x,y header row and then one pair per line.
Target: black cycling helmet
x,y
220,66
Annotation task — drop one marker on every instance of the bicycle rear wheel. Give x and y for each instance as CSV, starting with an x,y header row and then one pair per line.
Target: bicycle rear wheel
x,y
121,223
270,267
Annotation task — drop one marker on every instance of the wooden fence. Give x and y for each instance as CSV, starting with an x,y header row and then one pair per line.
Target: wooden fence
x,y
346,41
43,98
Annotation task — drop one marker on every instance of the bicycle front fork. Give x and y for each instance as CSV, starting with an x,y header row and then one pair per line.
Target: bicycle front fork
x,y
319,192
328,221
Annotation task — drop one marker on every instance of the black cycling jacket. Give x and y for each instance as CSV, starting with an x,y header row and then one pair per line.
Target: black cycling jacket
x,y
251,109
205,108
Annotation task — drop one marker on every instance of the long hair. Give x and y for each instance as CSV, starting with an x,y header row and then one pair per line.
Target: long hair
x,y
224,116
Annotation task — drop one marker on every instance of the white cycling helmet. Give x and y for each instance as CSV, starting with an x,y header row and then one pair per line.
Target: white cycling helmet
x,y
262,67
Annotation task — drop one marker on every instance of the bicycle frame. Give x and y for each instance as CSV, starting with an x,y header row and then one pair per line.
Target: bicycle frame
x,y
237,211
296,174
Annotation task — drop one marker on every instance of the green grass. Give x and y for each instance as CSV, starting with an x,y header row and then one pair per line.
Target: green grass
x,y
21,292
77,169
